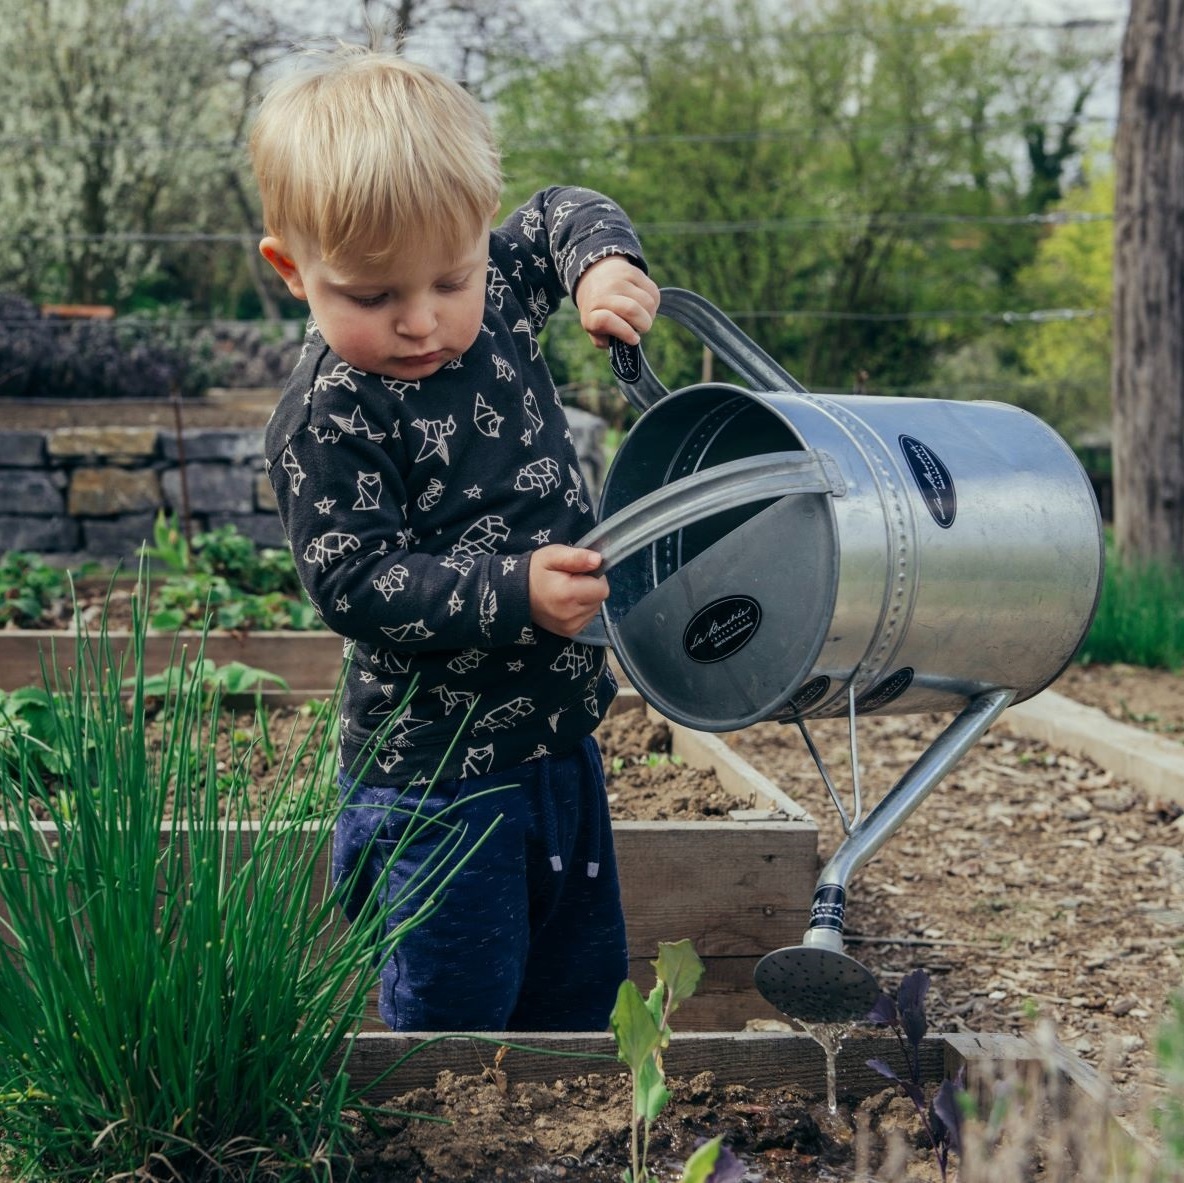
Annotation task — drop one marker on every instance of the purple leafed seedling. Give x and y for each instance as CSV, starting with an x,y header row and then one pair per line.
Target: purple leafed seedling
x,y
942,1119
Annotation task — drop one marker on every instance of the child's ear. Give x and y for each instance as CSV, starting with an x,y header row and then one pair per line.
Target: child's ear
x,y
274,251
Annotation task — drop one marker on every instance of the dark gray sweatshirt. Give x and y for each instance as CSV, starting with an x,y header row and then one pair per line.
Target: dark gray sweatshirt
x,y
412,508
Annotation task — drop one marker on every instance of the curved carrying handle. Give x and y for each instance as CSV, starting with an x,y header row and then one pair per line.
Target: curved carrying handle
x,y
642,387
698,496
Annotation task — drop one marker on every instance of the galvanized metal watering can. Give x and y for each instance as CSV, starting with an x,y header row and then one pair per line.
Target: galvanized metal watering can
x,y
777,554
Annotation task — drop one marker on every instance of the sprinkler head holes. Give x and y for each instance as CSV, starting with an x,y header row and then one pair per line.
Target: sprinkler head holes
x,y
816,985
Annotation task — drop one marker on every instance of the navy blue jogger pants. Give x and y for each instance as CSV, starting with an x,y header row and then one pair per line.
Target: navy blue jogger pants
x,y
529,935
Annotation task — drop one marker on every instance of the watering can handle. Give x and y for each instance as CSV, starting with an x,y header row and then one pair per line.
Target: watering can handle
x,y
711,491
642,387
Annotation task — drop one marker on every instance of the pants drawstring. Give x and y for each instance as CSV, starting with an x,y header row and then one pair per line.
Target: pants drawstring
x,y
593,813
595,838
547,806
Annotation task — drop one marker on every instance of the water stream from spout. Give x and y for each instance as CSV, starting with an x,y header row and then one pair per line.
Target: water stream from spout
x,y
829,1037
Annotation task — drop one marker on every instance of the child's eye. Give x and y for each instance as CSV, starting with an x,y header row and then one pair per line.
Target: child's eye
x,y
456,285
369,301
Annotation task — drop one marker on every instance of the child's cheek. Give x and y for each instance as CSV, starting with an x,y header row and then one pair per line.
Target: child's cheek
x,y
351,338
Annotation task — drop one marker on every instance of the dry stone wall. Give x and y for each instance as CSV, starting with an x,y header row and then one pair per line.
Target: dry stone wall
x,y
94,492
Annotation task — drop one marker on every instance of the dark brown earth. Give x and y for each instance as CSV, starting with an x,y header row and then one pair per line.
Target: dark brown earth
x,y
1031,881
1033,887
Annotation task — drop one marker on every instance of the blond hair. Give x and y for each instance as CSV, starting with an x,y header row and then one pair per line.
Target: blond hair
x,y
367,154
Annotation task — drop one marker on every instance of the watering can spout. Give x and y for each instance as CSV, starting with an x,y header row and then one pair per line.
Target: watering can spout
x,y
816,981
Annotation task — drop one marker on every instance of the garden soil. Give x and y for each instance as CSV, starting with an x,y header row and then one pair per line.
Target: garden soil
x,y
1032,886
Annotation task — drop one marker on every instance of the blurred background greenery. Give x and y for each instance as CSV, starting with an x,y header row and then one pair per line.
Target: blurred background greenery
x,y
898,196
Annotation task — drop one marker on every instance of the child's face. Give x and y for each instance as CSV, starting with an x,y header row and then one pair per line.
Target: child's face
x,y
404,319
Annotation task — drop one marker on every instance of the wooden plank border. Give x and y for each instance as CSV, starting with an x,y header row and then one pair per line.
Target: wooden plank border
x,y
307,661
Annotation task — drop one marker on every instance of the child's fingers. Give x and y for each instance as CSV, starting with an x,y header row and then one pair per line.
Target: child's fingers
x,y
622,318
566,590
617,299
575,560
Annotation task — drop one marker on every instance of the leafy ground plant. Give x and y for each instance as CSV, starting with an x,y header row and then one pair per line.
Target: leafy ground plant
x,y
942,1118
181,992
29,587
641,1027
224,573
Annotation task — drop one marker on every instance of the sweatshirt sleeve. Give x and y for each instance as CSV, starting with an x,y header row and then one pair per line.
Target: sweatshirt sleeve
x,y
557,235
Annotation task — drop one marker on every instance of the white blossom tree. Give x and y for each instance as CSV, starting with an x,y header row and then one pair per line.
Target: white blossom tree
x,y
121,119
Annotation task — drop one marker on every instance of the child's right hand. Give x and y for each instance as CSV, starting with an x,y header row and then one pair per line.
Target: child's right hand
x,y
565,594
616,299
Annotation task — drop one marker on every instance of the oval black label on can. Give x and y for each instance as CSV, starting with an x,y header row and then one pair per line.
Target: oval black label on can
x,y
889,690
721,628
933,480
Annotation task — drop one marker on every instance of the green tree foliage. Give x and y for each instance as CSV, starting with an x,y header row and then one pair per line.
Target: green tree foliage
x,y
1055,362
126,180
1066,358
837,177
852,181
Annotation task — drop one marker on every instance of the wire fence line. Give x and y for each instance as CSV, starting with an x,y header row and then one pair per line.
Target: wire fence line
x,y
1007,316
682,229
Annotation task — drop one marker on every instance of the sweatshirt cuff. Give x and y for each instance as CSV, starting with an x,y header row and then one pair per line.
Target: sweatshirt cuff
x,y
505,615
583,259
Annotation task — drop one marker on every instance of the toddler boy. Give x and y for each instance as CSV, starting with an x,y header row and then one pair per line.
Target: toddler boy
x,y
430,492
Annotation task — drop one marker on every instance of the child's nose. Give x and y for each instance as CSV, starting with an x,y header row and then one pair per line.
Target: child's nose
x,y
415,319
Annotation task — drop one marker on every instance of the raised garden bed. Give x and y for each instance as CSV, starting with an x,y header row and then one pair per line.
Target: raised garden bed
x,y
781,1074
737,887
737,880
520,1114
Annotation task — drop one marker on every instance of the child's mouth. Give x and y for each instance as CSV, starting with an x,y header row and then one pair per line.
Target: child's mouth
x,y
423,359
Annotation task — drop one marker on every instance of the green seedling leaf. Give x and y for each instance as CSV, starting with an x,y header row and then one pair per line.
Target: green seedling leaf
x,y
168,620
650,1093
236,677
25,701
679,967
701,1165
174,679
637,1035
653,1004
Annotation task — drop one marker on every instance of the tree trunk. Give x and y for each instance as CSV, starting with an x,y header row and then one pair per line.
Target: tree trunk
x,y
1148,369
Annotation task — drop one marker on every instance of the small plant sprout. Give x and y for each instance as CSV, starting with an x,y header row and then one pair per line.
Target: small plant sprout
x,y
642,1030
207,677
942,1119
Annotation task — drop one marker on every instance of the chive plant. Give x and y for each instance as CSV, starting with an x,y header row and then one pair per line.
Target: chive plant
x,y
180,989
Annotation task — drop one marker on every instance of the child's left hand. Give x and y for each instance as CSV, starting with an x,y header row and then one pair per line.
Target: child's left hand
x,y
616,299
